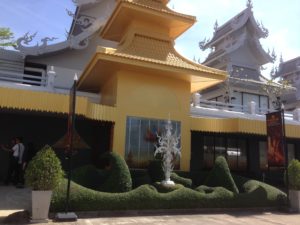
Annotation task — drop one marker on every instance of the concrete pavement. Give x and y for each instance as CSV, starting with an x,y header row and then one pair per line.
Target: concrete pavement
x,y
13,199
234,218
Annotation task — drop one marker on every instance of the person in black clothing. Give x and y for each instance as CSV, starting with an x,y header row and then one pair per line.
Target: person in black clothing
x,y
11,175
16,166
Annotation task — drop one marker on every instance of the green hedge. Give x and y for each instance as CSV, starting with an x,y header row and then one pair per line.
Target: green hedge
x,y
118,179
166,188
155,171
139,177
181,180
89,176
257,194
115,178
294,174
220,176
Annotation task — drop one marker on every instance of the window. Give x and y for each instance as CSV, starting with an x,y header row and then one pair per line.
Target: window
x,y
233,149
263,159
141,140
209,155
291,152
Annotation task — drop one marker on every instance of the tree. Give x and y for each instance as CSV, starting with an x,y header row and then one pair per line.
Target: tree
x,y
6,37
275,90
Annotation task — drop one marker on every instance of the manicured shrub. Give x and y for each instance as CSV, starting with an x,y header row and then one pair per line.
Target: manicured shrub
x,y
155,171
139,177
44,171
294,174
89,176
220,176
147,197
181,180
118,178
166,188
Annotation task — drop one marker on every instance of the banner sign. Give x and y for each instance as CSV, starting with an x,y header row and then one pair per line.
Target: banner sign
x,y
275,139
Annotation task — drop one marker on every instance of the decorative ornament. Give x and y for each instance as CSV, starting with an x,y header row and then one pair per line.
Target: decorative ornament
x,y
202,44
168,147
249,4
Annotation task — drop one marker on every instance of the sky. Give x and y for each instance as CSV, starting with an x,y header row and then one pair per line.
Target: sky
x,y
282,18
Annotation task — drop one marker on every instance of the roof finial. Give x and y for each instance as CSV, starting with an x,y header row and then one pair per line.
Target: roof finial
x,y
249,4
216,26
281,59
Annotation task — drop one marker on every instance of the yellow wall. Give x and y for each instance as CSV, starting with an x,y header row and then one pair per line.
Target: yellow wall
x,y
154,97
109,91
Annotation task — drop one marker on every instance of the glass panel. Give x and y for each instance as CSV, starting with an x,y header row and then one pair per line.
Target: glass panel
x,y
291,152
250,97
264,103
220,147
263,159
141,140
232,153
242,159
237,98
208,147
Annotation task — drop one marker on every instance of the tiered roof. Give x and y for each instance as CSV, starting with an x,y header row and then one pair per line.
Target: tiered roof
x,y
146,30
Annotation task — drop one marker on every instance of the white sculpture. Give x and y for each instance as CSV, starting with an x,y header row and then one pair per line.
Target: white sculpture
x,y
168,147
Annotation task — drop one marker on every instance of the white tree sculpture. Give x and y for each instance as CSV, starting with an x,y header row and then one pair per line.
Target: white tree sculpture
x,y
168,147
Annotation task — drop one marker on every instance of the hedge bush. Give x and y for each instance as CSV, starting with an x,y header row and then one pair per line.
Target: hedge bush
x,y
181,180
89,176
118,178
166,188
155,171
147,197
44,171
294,174
139,177
220,176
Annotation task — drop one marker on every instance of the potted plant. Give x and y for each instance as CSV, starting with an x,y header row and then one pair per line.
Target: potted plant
x,y
294,184
43,173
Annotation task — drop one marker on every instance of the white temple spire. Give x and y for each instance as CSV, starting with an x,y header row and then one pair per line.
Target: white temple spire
x,y
216,26
249,4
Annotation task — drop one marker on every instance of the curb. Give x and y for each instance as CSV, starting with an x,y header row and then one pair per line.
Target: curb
x,y
161,212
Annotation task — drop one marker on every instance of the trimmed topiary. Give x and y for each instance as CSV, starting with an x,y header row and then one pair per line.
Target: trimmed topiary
x,y
89,176
44,171
118,178
163,188
181,180
294,174
220,176
257,194
155,170
139,177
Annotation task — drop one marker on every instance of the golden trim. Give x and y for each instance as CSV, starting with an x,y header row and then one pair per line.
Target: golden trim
x,y
53,103
237,125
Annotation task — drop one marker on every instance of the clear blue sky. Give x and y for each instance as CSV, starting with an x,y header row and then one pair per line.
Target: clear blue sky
x,y
282,18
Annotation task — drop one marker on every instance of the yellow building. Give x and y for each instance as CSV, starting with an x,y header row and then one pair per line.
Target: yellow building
x,y
144,76
142,81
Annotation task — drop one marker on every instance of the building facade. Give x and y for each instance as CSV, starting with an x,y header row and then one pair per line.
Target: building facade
x,y
131,80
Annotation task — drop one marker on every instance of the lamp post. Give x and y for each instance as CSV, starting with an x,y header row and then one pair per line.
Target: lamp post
x,y
284,145
70,216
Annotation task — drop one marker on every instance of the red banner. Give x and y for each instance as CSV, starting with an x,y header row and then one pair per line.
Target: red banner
x,y
275,139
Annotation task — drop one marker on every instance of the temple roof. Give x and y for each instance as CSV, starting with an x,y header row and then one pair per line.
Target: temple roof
x,y
288,67
149,55
148,12
252,45
236,23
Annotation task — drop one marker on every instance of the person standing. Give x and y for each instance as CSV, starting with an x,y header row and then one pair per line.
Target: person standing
x,y
16,164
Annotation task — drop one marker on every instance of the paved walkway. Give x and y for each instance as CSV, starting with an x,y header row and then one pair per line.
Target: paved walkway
x,y
235,218
13,199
